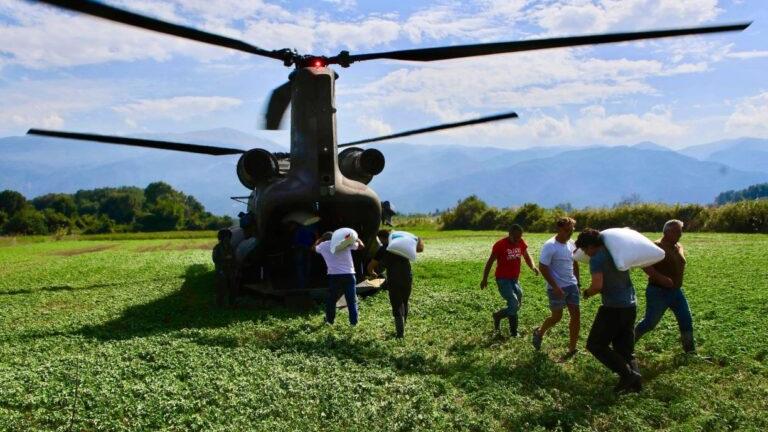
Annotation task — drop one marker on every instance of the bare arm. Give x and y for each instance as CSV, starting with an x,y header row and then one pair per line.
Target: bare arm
x,y
550,280
595,286
488,265
372,267
657,278
529,263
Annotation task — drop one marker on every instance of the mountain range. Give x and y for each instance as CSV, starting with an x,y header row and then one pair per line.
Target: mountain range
x,y
416,178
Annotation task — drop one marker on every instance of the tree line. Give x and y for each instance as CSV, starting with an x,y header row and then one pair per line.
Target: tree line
x,y
757,191
158,207
747,216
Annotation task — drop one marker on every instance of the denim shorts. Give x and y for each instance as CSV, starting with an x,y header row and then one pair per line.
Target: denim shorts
x,y
571,297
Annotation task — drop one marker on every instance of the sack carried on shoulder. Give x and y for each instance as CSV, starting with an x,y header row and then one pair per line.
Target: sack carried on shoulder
x,y
403,243
630,249
343,238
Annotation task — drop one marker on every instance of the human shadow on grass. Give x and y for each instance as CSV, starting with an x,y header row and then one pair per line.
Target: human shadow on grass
x,y
468,369
192,306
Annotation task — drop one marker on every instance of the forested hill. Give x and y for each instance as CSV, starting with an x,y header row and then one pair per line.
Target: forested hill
x,y
158,207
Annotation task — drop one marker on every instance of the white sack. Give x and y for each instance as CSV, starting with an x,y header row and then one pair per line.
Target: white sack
x,y
630,249
343,238
403,243
580,256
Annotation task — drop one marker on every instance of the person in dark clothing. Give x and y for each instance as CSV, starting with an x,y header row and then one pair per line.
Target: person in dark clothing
x,y
611,339
302,240
665,288
399,279
224,261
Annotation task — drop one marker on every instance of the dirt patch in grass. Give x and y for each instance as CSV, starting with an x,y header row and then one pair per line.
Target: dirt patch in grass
x,y
85,250
176,246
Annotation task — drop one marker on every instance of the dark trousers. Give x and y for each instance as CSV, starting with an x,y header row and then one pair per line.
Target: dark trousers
x,y
612,339
225,292
339,284
399,293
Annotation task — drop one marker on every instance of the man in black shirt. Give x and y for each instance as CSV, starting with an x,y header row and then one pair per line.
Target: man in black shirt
x,y
399,279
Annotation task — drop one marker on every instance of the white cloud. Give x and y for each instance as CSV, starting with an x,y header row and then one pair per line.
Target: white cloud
x,y
582,16
343,5
629,128
175,108
746,55
374,126
593,124
48,104
750,118
501,83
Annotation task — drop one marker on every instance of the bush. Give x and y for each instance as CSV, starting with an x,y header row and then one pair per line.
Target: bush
x,y
465,215
26,221
11,202
742,216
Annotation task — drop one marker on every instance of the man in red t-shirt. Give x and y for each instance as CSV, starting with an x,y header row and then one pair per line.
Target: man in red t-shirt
x,y
507,253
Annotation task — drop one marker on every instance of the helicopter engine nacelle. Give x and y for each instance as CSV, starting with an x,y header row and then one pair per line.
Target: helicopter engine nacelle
x,y
256,167
361,165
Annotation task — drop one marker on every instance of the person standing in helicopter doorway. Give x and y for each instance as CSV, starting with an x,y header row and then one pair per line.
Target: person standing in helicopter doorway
x,y
224,261
507,253
399,279
341,277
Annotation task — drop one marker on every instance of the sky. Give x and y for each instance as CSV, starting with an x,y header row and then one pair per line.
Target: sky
x,y
71,72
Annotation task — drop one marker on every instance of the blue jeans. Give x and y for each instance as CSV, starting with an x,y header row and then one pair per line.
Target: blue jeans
x,y
511,292
658,300
341,284
571,297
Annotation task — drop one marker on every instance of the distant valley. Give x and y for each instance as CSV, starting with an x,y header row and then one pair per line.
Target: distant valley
x,y
416,178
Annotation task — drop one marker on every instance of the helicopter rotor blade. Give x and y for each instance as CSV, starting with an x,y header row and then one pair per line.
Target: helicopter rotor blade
x,y
112,13
278,103
460,51
136,142
496,117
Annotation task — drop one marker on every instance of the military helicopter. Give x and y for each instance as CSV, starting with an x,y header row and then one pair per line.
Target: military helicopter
x,y
315,178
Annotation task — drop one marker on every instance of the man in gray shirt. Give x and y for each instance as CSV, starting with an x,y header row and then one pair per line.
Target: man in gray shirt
x,y
611,339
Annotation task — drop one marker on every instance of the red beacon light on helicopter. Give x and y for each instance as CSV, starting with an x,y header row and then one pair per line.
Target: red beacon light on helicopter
x,y
318,62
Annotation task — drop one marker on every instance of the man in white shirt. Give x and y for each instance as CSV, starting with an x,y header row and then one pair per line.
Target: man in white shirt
x,y
562,275
341,277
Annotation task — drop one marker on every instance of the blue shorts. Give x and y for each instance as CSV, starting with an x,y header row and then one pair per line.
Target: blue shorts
x,y
571,297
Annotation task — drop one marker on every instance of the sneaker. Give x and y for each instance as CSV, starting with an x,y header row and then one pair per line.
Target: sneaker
x,y
629,383
536,339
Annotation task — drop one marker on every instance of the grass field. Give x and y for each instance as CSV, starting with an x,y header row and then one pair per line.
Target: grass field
x,y
120,334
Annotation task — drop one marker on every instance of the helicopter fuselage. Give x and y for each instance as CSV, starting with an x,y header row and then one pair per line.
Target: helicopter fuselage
x,y
314,183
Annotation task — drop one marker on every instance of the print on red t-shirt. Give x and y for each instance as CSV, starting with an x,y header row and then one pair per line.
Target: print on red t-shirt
x,y
508,256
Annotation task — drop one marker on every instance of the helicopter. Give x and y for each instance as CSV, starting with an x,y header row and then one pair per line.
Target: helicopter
x,y
316,179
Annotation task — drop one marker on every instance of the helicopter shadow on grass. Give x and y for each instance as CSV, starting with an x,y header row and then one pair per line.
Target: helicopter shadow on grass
x,y
190,307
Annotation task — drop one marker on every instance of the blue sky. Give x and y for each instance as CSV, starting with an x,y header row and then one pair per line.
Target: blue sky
x,y
62,71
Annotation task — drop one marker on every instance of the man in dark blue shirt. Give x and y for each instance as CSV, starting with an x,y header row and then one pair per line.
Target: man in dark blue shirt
x,y
611,339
